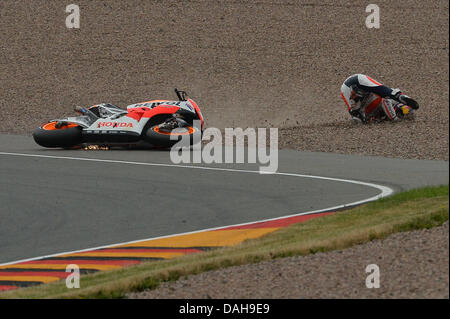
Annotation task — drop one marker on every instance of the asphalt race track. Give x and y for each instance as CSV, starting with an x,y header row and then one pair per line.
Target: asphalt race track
x,y
54,201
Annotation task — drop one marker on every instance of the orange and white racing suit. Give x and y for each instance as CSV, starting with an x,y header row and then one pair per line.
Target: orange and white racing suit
x,y
365,97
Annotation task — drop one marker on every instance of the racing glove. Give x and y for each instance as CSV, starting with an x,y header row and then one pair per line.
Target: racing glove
x,y
357,116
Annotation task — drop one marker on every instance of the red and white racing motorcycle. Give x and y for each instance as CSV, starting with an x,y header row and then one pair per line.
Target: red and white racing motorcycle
x,y
160,123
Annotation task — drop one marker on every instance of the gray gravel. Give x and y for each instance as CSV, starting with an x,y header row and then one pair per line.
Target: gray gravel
x,y
412,265
247,63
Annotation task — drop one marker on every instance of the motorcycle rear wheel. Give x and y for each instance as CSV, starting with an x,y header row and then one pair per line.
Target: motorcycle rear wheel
x,y
49,135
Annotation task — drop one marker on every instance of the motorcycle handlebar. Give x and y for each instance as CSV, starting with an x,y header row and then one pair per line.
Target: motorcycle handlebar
x,y
181,94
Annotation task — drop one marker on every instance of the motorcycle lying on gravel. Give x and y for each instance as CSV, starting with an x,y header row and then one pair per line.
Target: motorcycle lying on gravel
x,y
158,123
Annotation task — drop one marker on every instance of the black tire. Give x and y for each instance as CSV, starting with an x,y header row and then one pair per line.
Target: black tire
x,y
161,138
67,136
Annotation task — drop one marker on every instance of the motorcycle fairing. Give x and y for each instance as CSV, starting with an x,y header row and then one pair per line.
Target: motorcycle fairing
x,y
109,123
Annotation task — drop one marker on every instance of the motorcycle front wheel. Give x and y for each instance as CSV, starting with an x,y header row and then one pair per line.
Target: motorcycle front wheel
x,y
158,136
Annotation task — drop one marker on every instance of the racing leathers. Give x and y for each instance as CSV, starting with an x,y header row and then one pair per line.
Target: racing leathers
x,y
366,97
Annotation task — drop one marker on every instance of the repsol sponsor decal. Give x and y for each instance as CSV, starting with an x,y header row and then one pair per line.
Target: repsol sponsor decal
x,y
155,104
166,104
115,124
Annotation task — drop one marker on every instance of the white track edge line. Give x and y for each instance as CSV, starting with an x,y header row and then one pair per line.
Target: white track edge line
x,y
385,191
